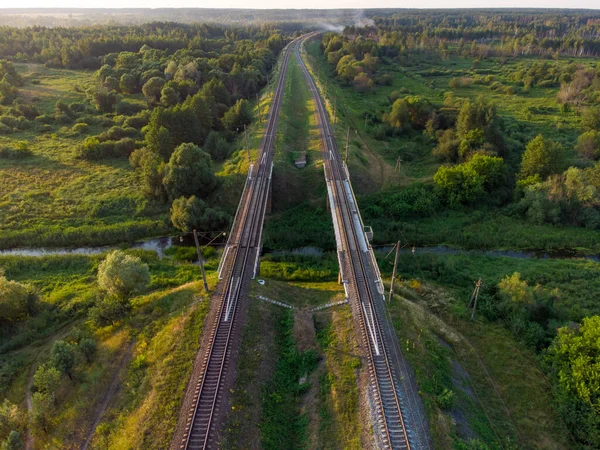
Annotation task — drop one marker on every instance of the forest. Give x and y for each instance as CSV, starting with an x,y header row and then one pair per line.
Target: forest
x,y
473,139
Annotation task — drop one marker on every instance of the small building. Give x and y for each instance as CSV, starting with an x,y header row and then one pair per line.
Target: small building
x,y
301,161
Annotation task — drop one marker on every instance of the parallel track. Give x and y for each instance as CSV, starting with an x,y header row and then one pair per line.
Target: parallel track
x,y
356,264
238,267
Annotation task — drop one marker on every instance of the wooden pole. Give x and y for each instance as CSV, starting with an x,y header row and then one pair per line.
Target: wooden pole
x,y
200,262
334,110
247,146
394,272
347,145
476,295
258,107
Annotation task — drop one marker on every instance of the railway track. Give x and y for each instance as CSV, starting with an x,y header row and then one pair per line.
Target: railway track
x,y
362,281
239,265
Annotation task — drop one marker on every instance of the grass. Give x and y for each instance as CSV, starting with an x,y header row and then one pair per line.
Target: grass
x,y
160,337
297,133
500,396
573,282
339,411
51,198
282,426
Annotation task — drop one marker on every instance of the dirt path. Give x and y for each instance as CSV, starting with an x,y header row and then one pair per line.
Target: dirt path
x,y
29,441
108,396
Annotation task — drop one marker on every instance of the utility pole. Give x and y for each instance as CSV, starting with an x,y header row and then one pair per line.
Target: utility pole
x,y
247,146
258,107
347,145
398,166
394,272
334,110
200,261
474,298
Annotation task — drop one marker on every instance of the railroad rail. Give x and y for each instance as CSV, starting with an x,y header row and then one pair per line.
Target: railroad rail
x,y
362,281
238,266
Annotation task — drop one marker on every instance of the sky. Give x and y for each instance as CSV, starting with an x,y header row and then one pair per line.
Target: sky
x,y
299,4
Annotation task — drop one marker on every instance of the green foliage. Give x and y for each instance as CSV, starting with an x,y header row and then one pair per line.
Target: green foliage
x,y
281,425
189,172
543,157
467,182
237,116
17,301
109,310
217,146
13,441
588,145
122,275
105,100
62,357
574,365
88,348
152,89
192,213
46,379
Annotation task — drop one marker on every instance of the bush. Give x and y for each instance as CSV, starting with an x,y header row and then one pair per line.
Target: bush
x,y
137,122
122,275
93,149
80,128
127,108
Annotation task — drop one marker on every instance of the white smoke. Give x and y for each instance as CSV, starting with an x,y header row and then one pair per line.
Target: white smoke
x,y
360,20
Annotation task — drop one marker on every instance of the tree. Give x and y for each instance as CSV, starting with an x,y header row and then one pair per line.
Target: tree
x,y
588,145
543,157
88,348
13,441
63,358
109,310
105,100
169,96
575,367
10,417
46,379
189,172
590,119
152,89
122,275
128,83
192,213
17,301
363,83
458,184
159,140
237,116
216,146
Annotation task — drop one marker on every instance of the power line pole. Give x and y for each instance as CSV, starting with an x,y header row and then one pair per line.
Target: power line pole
x,y
247,146
398,166
474,298
258,107
347,145
394,272
334,110
200,261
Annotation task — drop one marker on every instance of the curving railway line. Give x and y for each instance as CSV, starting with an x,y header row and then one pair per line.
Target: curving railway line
x,y
363,285
238,266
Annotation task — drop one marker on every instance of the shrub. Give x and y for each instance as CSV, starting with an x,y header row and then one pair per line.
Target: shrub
x,y
122,275
127,108
80,128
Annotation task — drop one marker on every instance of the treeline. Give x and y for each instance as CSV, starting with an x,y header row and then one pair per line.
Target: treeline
x,y
486,33
84,47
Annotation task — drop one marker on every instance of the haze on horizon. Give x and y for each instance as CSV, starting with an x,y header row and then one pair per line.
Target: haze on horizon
x,y
304,4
